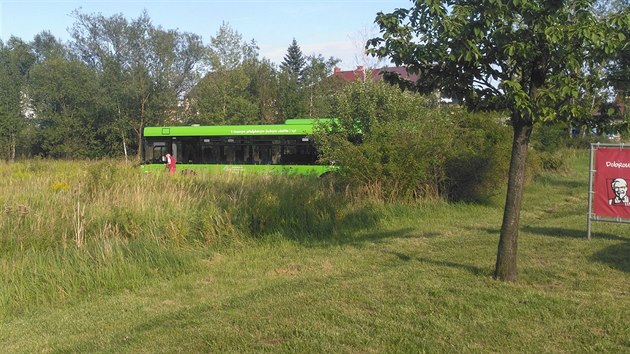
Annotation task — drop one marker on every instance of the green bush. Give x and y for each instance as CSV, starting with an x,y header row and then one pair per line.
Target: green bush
x,y
550,143
550,137
388,144
391,146
478,164
551,161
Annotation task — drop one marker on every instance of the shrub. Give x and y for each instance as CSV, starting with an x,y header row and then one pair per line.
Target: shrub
x,y
550,137
390,146
388,143
479,157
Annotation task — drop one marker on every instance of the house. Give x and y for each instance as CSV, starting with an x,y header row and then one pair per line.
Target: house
x,y
363,74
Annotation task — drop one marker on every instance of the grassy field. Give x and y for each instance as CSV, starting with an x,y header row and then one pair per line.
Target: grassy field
x,y
96,258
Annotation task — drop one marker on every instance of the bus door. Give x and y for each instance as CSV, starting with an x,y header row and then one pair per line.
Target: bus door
x,y
155,150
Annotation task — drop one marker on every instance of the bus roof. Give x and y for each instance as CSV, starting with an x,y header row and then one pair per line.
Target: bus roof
x,y
291,127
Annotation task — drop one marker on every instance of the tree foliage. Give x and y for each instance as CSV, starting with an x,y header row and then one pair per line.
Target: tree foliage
x,y
394,146
530,57
146,70
227,49
15,63
126,74
237,89
319,85
294,61
618,69
290,90
223,97
63,99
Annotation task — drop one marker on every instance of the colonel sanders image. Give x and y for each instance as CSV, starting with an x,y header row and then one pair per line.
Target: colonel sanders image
x,y
620,187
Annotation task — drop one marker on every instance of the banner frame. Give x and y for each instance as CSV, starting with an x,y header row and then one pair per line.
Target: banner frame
x,y
592,171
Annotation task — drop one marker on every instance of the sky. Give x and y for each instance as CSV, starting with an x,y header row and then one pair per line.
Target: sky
x,y
332,28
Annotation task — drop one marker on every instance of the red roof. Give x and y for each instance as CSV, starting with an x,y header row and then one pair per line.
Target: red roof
x,y
360,73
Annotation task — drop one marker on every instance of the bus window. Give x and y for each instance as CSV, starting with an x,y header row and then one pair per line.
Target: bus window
x,y
257,154
154,151
249,154
239,154
229,154
190,150
289,152
177,150
210,151
276,150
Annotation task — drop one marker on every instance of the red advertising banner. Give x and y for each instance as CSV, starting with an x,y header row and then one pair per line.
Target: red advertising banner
x,y
610,184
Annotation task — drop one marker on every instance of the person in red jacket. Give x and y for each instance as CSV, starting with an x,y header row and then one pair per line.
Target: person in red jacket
x,y
169,163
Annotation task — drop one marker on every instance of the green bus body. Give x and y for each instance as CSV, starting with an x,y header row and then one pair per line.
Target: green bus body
x,y
281,148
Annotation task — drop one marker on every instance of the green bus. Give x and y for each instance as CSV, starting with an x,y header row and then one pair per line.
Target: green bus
x,y
280,148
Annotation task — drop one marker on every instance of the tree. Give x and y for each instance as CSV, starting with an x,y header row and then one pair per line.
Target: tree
x,y
227,49
45,46
290,88
319,84
619,68
67,110
145,70
294,61
529,57
16,60
263,88
363,58
221,97
291,97
225,94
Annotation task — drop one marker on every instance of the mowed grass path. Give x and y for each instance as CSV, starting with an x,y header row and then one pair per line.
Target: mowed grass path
x,y
421,281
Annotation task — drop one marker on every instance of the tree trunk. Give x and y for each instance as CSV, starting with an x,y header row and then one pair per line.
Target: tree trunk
x,y
13,148
506,256
124,142
140,130
122,135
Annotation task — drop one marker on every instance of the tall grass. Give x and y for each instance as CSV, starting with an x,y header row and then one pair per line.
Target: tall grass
x,y
385,278
71,229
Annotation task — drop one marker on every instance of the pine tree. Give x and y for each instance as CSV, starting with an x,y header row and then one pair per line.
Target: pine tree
x,y
294,61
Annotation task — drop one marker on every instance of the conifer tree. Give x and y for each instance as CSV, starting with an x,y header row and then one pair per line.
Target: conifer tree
x,y
294,61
